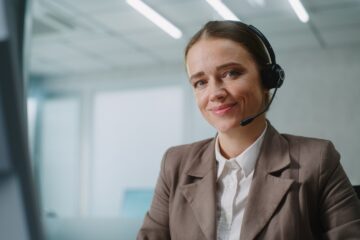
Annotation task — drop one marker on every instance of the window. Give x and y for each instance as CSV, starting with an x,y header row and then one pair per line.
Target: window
x,y
59,156
132,129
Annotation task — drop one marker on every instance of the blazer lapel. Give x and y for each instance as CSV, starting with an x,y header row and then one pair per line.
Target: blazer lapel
x,y
201,191
266,190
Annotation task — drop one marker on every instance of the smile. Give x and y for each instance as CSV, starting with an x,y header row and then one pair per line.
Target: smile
x,y
223,109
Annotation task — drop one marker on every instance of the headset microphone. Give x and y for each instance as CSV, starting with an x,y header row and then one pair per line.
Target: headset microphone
x,y
272,76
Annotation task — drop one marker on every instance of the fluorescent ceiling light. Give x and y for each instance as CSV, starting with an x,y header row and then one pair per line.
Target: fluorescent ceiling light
x,y
156,18
299,10
223,10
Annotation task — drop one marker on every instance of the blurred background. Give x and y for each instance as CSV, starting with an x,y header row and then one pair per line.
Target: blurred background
x,y
108,94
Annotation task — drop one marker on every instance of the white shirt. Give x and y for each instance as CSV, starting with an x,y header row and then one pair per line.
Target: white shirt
x,y
234,177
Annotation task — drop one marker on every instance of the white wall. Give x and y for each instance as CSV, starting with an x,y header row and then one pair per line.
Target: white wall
x,y
132,130
319,98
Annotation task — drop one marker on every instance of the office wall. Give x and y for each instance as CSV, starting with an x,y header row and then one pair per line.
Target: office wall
x,y
321,99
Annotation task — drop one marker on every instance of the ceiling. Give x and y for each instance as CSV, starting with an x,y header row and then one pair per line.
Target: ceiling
x,y
82,36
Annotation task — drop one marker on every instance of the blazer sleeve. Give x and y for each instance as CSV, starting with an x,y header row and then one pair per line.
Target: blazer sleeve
x,y
339,205
156,222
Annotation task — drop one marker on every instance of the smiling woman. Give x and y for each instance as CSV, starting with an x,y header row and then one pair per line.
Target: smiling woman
x,y
226,84
249,182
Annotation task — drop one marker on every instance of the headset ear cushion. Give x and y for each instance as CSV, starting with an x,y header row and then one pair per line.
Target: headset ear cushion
x,y
272,76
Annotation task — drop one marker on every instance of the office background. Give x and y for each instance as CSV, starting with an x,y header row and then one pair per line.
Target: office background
x,y
108,94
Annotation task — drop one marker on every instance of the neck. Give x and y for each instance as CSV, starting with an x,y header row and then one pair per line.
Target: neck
x,y
234,142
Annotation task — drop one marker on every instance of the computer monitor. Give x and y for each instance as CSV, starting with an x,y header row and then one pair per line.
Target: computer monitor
x,y
19,211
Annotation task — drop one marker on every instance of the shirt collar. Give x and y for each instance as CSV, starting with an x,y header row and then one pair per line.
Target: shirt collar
x,y
246,160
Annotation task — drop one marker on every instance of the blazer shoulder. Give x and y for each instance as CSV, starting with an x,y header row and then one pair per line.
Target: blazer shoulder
x,y
307,142
313,153
179,158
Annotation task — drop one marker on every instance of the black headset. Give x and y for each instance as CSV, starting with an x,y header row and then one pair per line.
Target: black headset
x,y
272,76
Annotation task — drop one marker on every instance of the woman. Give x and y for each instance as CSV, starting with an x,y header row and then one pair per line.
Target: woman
x,y
249,182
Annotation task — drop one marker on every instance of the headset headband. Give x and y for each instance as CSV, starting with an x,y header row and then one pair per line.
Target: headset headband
x,y
265,42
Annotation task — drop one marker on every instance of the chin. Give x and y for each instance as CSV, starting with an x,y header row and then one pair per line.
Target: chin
x,y
226,127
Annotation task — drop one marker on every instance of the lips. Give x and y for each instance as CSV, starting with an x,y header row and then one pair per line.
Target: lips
x,y
222,109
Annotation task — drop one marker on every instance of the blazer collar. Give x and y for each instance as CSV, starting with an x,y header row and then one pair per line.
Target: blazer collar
x,y
268,188
276,151
200,192
274,146
204,162
266,192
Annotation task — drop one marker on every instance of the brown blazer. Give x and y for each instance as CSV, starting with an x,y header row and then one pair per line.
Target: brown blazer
x,y
299,191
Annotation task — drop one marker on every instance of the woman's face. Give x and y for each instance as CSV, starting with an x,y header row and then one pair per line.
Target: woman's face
x,y
226,82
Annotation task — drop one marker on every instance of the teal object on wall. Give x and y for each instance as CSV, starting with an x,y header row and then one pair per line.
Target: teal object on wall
x,y
136,202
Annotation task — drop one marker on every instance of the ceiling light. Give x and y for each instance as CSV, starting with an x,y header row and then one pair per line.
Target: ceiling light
x,y
299,10
156,18
223,10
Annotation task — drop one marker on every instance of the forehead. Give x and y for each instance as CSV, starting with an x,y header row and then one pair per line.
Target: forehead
x,y
211,52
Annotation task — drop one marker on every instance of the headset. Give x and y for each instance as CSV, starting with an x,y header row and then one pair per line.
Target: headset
x,y
272,76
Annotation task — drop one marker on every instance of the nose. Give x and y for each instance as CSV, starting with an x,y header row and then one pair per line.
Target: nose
x,y
217,92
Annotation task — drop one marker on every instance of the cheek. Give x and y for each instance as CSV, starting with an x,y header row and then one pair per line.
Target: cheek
x,y
200,100
242,92
249,94
258,97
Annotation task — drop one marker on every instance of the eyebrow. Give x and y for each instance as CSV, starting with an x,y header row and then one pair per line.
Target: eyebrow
x,y
228,65
199,74
196,75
